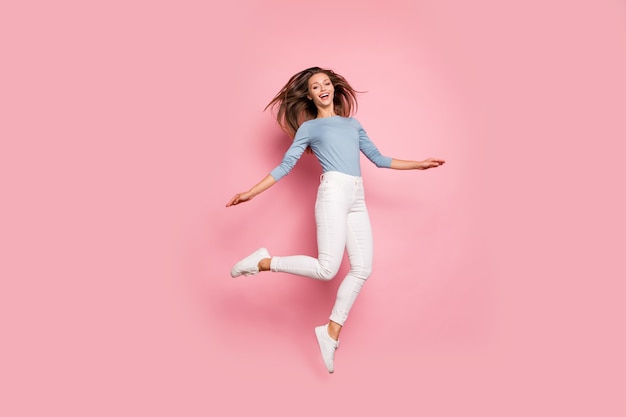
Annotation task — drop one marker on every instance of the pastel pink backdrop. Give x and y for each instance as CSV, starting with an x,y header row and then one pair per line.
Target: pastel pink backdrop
x,y
498,283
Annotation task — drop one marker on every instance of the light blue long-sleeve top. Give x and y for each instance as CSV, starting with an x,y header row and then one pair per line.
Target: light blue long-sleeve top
x,y
337,142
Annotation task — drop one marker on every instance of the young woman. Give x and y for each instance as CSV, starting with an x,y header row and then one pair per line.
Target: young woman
x,y
315,107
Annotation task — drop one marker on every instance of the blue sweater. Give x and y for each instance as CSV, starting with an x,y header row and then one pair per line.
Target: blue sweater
x,y
337,143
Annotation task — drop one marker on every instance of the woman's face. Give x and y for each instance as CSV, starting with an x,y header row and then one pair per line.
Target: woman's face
x,y
321,90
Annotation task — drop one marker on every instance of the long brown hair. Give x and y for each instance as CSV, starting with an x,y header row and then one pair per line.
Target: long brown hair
x,y
294,108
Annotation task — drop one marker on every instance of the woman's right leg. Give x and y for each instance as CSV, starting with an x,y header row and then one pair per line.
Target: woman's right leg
x,y
330,216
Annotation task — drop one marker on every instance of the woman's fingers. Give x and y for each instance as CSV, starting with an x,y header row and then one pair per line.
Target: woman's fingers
x,y
239,198
436,161
233,201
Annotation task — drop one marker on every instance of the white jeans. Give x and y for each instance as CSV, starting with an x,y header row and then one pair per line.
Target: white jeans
x,y
342,223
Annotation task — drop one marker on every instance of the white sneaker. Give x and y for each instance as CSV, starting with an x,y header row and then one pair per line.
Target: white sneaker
x,y
250,264
328,345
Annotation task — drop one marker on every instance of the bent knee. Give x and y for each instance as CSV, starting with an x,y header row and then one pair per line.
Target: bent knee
x,y
326,274
328,267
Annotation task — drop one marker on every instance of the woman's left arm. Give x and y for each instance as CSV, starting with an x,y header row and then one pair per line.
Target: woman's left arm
x,y
425,164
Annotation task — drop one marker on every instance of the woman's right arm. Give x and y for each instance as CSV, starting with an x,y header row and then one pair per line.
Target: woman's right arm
x,y
293,154
265,183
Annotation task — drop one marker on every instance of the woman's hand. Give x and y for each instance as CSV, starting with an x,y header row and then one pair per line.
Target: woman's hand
x,y
425,164
430,163
265,183
239,198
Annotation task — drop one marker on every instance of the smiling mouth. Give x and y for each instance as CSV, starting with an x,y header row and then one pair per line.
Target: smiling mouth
x,y
324,96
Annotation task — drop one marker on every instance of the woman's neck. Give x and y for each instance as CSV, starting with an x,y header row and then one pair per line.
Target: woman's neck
x,y
325,112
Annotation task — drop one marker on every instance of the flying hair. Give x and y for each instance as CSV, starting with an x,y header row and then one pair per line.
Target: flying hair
x,y
294,107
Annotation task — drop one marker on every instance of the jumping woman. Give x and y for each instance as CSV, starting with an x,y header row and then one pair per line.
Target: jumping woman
x,y
315,107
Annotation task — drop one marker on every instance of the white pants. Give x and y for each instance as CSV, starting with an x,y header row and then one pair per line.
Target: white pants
x,y
342,223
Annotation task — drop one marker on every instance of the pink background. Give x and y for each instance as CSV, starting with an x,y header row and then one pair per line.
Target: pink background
x,y
498,287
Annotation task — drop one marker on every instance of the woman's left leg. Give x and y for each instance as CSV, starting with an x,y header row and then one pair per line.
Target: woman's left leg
x,y
359,245
360,249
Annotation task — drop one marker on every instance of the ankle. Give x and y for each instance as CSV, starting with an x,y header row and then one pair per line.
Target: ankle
x,y
334,329
264,264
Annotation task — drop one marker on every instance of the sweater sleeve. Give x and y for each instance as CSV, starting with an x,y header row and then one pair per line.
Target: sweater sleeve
x,y
300,143
370,150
